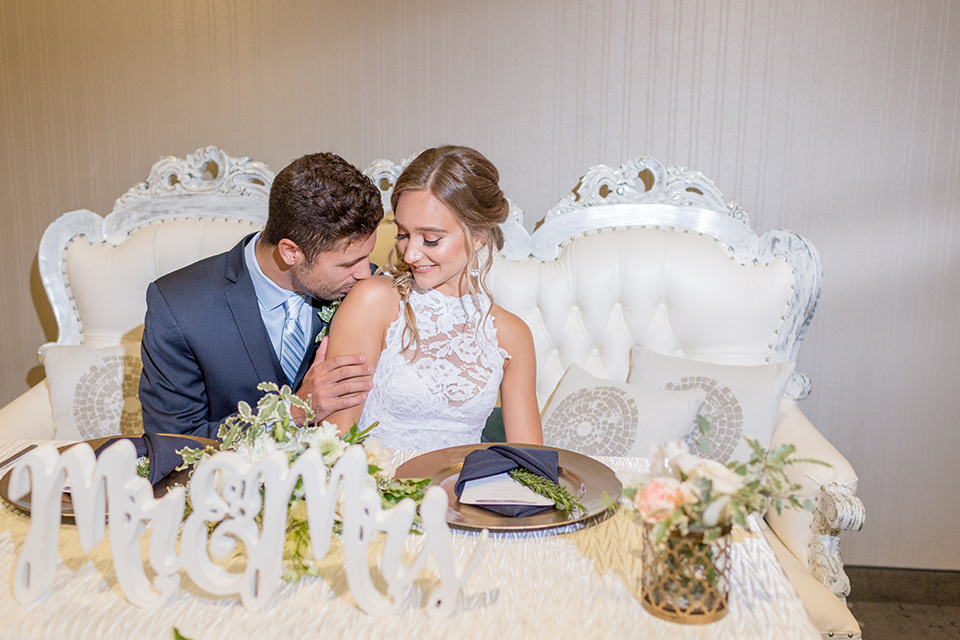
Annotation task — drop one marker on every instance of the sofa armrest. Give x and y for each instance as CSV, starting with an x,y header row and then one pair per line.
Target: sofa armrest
x,y
830,615
837,509
29,416
813,538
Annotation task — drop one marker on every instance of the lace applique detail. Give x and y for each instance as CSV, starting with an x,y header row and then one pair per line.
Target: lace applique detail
x,y
441,396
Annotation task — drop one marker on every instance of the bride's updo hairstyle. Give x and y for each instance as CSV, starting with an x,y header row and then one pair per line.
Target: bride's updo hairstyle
x,y
466,182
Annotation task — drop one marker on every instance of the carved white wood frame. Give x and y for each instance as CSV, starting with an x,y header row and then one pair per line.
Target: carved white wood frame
x,y
640,193
206,184
838,509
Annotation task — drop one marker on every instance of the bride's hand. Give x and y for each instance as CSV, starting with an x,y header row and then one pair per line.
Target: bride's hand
x,y
335,384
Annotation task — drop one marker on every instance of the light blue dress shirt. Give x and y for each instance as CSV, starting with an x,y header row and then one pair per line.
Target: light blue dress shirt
x,y
271,297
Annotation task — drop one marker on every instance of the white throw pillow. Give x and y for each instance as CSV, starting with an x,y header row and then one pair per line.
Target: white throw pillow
x,y
94,392
741,400
599,417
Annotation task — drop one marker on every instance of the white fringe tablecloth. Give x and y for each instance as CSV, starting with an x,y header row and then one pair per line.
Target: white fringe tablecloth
x,y
576,584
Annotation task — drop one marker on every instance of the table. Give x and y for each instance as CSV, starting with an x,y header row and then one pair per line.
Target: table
x,y
578,584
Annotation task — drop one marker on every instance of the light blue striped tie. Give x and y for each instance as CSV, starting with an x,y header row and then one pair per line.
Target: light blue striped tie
x,y
292,342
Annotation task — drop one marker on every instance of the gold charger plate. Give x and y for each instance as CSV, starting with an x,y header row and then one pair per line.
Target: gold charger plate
x,y
66,504
592,483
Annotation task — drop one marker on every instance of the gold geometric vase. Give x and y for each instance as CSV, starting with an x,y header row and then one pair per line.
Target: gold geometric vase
x,y
684,580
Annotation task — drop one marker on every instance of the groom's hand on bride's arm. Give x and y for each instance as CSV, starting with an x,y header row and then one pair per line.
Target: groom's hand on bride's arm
x,y
335,384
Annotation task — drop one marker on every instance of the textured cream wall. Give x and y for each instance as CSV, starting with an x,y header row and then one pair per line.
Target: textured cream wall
x,y
837,119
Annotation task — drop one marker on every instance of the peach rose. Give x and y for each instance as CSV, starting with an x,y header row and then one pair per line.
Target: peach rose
x,y
658,499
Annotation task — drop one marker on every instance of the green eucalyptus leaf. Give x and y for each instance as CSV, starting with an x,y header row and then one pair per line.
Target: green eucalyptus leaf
x,y
704,424
781,453
703,445
740,519
757,449
704,488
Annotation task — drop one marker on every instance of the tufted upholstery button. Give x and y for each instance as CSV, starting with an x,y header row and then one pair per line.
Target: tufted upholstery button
x,y
555,353
595,352
661,307
617,307
680,353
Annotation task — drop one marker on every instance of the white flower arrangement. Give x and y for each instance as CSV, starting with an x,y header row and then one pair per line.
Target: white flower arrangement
x,y
325,439
685,493
271,428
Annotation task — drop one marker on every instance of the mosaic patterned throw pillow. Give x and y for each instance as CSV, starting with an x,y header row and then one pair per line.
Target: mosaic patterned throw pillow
x,y
741,400
599,417
94,392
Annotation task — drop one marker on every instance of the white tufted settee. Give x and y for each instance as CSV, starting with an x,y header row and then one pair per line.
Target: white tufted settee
x,y
639,256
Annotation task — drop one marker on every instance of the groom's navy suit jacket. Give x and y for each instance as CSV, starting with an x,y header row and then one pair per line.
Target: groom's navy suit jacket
x,y
205,347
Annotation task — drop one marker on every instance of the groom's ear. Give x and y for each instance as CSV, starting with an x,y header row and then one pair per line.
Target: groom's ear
x,y
288,251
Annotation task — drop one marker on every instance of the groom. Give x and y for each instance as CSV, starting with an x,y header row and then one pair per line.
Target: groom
x,y
217,328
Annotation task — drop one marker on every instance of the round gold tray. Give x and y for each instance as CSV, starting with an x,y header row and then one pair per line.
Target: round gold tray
x,y
592,483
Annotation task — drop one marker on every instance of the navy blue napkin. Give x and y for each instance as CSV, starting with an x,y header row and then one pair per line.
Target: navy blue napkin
x,y
160,449
500,458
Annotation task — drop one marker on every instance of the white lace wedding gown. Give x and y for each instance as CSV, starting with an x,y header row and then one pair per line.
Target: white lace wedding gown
x,y
443,396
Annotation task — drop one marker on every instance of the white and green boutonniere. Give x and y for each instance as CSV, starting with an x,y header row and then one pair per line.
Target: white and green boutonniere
x,y
326,314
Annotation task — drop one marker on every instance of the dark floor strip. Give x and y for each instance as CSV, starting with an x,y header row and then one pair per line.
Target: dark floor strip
x,y
906,586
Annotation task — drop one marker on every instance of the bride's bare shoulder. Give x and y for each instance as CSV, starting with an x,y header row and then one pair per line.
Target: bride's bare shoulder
x,y
507,322
374,300
375,289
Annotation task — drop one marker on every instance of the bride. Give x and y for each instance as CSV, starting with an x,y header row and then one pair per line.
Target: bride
x,y
441,349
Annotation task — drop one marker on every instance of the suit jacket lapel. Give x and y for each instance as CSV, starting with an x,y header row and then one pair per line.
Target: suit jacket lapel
x,y
242,298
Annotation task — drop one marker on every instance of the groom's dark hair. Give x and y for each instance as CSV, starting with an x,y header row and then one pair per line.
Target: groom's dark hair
x,y
319,200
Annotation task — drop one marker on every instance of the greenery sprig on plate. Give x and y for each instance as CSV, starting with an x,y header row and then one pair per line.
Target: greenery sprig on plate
x,y
562,499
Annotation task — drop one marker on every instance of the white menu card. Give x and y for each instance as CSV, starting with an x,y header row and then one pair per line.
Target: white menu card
x,y
500,489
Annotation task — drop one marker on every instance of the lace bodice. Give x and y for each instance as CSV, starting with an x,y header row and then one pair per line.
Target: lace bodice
x,y
442,397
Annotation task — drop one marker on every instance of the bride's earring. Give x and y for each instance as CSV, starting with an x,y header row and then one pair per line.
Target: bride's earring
x,y
475,272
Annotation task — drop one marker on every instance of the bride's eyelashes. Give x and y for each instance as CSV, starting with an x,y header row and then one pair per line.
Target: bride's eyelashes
x,y
427,243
